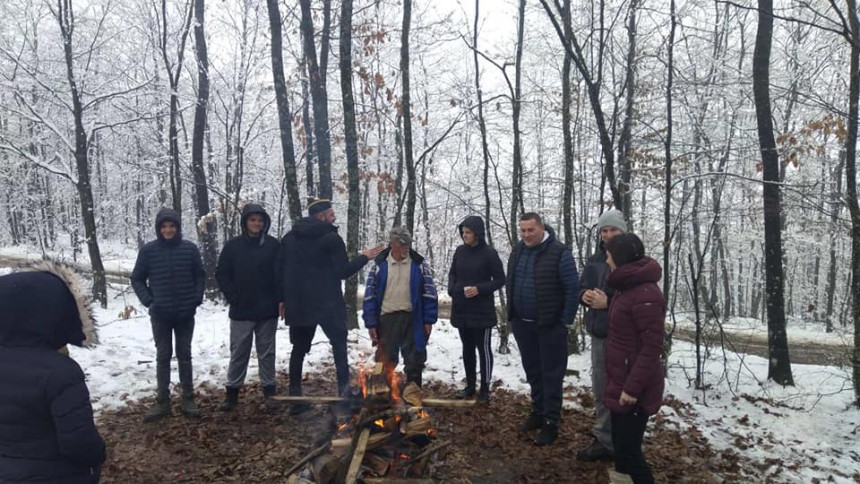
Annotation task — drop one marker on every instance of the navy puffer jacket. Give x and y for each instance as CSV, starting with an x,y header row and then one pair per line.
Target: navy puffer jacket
x,y
47,433
168,276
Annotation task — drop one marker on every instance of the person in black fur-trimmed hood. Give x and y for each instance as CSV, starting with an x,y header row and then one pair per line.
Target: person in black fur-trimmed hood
x,y
476,274
246,276
169,279
47,433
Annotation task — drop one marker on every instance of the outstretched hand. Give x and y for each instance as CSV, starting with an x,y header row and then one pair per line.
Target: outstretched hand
x,y
372,252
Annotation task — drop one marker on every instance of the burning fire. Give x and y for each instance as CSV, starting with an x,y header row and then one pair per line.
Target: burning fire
x,y
393,382
380,423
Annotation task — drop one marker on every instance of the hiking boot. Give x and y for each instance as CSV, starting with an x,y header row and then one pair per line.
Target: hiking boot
x,y
231,401
548,433
158,410
484,395
534,422
188,407
468,392
595,452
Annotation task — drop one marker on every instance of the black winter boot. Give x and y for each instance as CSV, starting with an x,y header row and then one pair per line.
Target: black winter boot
x,y
268,403
188,407
548,433
534,422
484,395
159,410
231,401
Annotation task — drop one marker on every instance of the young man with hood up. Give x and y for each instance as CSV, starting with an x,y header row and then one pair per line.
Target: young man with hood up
x,y
476,274
246,275
595,295
542,286
169,279
312,263
48,433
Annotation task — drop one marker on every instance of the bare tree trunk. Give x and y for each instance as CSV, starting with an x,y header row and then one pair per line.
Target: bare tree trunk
x,y
485,150
517,206
835,206
406,102
66,19
625,138
173,73
206,222
351,137
851,187
284,116
667,146
320,101
398,180
309,134
779,363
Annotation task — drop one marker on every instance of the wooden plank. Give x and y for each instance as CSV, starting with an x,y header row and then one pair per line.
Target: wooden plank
x,y
427,402
357,457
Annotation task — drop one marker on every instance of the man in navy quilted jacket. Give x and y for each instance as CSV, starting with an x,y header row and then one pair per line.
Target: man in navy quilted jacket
x,y
169,279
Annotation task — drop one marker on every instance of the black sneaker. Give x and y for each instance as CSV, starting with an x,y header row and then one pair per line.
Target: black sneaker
x,y
484,395
595,452
534,422
548,433
468,392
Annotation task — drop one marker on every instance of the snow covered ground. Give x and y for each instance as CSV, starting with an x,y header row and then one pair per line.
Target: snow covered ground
x,y
805,432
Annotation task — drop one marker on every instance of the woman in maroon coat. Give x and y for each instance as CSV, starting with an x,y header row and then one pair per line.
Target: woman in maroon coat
x,y
634,387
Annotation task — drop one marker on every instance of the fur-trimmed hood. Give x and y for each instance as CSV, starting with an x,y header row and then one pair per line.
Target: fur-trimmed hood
x,y
45,304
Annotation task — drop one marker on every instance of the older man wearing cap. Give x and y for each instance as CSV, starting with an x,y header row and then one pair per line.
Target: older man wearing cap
x,y
401,305
596,295
312,263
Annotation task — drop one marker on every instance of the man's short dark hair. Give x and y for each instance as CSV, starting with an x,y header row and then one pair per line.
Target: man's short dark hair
x,y
531,216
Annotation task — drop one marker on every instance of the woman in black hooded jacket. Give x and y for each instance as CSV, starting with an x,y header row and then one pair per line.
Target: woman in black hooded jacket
x,y
476,274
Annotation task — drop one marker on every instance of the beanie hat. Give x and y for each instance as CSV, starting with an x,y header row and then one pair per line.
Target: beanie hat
x,y
319,205
612,218
625,248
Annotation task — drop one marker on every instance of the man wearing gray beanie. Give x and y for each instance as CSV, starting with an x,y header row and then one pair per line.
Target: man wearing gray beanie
x,y
595,296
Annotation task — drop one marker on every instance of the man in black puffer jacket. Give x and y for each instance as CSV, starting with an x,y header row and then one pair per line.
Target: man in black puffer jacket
x,y
476,274
312,263
246,276
169,279
47,433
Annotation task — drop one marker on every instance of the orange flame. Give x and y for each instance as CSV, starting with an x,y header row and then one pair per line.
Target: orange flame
x,y
423,414
362,379
380,423
393,382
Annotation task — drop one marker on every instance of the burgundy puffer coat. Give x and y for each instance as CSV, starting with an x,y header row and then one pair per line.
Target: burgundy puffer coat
x,y
635,342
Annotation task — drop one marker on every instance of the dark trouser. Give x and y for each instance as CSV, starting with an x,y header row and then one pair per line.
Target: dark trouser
x,y
602,429
241,335
397,336
477,339
543,350
163,330
627,433
301,338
